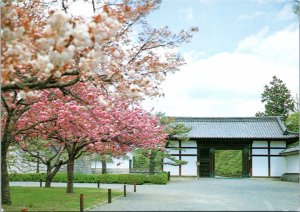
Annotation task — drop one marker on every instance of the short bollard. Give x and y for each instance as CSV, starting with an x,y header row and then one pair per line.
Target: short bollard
x,y
124,190
41,182
134,187
98,184
109,195
81,202
24,210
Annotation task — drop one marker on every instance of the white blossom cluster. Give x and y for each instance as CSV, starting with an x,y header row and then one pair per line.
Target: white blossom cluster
x,y
53,49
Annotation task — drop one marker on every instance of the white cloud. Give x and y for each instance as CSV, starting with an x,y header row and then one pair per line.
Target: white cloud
x,y
281,47
230,83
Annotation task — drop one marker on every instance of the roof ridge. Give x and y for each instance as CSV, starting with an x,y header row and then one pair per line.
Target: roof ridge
x,y
265,118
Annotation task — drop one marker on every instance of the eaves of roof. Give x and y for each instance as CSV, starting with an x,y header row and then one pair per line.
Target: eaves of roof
x,y
290,151
266,128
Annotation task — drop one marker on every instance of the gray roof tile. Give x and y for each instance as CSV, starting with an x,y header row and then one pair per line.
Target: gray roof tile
x,y
291,150
247,127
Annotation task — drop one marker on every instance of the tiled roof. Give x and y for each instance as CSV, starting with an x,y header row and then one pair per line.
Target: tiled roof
x,y
247,127
291,150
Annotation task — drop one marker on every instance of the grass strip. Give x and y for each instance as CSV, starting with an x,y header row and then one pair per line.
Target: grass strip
x,y
55,199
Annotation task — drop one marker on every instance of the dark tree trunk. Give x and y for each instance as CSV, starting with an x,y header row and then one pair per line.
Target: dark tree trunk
x,y
70,174
38,164
49,177
152,162
4,174
51,173
104,167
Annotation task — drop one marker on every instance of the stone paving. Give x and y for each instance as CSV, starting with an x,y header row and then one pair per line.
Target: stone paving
x,y
207,194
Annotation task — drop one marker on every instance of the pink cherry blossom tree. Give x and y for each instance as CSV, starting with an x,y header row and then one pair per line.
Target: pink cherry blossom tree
x,y
93,123
42,49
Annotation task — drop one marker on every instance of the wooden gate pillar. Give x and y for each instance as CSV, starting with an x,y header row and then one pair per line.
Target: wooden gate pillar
x,y
246,164
212,162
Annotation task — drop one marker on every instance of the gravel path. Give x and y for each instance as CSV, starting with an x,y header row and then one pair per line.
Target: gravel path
x,y
205,194
210,195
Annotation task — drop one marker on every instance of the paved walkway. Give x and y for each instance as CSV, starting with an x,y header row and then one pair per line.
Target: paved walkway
x,y
210,195
206,194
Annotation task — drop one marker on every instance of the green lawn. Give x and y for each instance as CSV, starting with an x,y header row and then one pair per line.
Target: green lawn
x,y
55,199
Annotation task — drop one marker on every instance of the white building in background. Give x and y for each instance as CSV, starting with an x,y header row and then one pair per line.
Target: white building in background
x,y
261,140
291,163
116,165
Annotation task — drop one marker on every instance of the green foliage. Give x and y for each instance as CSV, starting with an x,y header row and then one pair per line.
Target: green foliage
x,y
277,99
160,178
35,177
292,122
141,160
297,7
228,163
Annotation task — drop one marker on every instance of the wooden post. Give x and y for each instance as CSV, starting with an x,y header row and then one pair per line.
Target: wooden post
x,y
41,182
109,195
134,187
212,162
169,176
98,184
24,210
198,169
124,190
81,202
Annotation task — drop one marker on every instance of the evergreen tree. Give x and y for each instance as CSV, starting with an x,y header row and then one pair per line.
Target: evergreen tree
x,y
292,122
277,99
154,157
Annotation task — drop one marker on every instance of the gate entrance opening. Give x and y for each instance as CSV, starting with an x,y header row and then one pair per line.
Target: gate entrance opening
x,y
228,163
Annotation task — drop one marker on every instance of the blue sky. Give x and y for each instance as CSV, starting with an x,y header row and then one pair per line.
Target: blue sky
x,y
222,23
240,45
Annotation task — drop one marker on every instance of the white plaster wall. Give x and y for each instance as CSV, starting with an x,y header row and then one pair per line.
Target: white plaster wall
x,y
278,144
172,151
292,163
259,151
189,144
174,170
190,169
260,144
278,166
259,166
118,163
276,151
188,151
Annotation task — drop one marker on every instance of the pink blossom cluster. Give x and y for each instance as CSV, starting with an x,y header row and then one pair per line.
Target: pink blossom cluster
x,y
96,121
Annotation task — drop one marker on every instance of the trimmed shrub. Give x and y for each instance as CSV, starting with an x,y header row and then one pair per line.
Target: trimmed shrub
x,y
35,177
160,178
84,178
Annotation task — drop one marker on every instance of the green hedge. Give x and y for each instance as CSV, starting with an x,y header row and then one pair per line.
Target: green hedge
x,y
35,177
139,179
160,178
